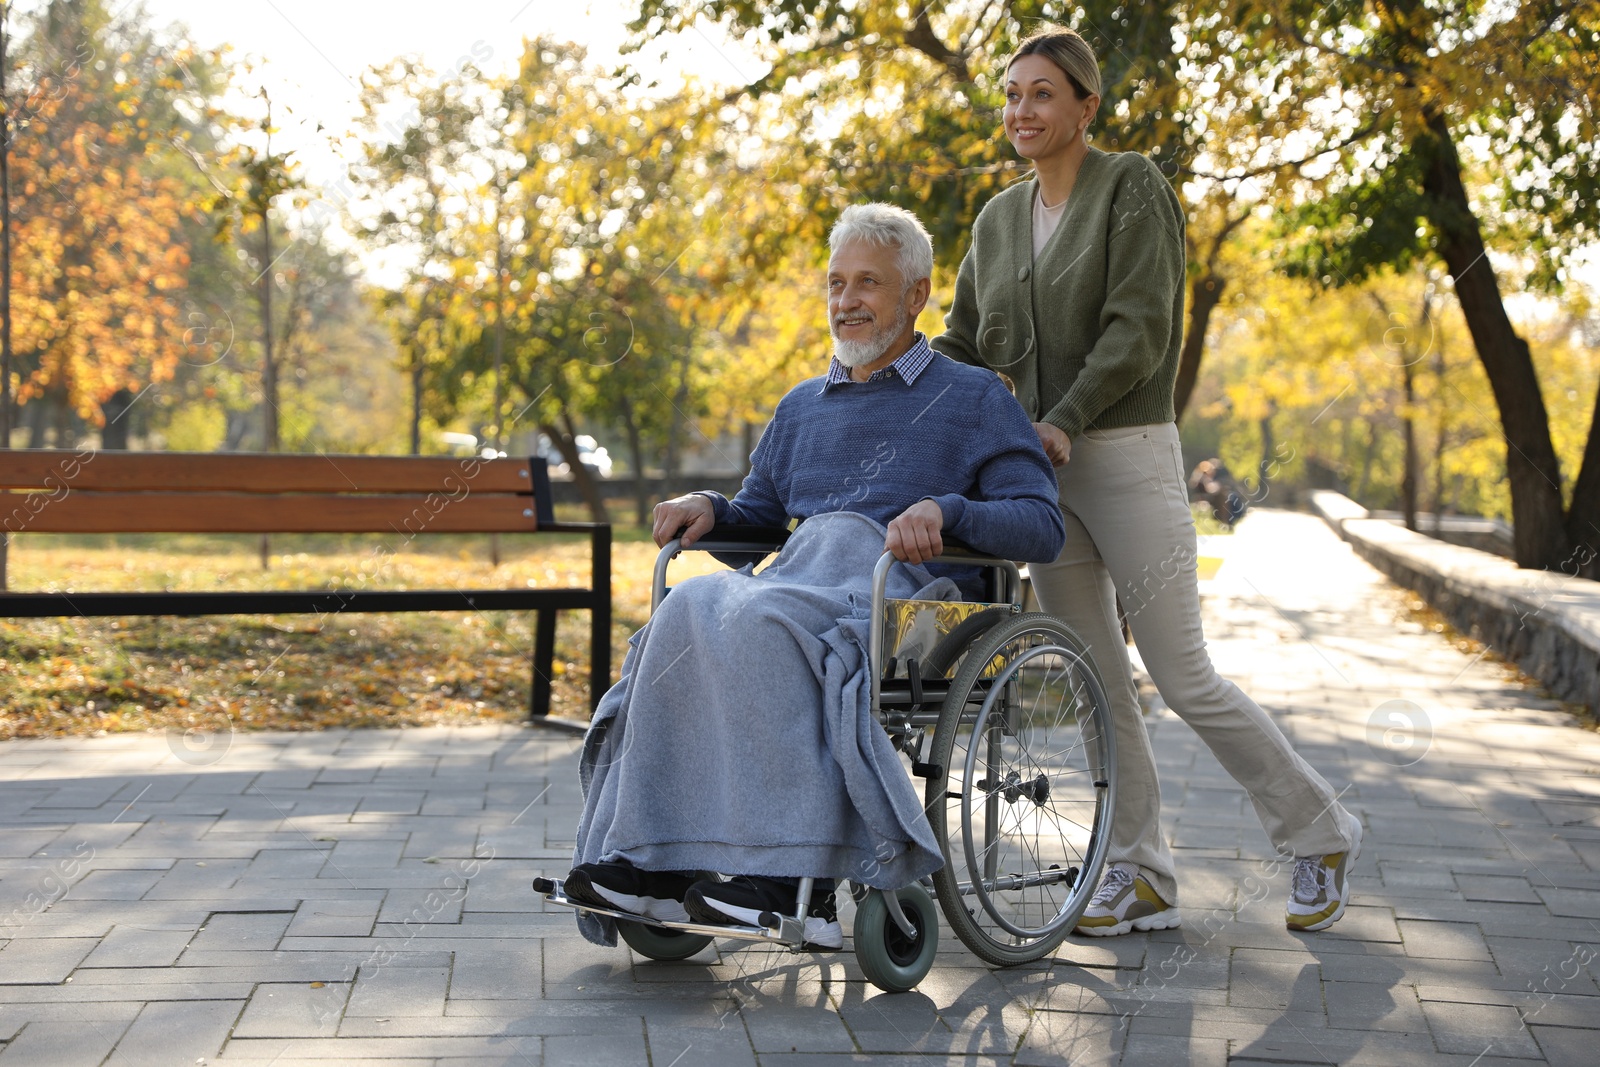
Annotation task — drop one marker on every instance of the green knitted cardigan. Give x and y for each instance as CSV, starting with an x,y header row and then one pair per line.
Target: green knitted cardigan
x,y
1090,332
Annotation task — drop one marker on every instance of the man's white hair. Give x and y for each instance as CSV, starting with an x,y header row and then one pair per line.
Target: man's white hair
x,y
885,224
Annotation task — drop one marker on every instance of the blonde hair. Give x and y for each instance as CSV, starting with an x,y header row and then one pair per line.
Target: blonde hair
x,y
1069,51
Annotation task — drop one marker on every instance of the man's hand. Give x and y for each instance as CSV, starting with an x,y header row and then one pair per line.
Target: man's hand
x,y
692,514
914,533
1057,445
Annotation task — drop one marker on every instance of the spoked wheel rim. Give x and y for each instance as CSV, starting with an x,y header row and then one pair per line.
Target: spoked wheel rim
x,y
1023,795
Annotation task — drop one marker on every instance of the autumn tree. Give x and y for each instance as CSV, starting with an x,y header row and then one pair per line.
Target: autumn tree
x,y
98,268
1482,136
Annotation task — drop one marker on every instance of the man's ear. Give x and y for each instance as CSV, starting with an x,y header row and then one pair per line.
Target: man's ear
x,y
917,299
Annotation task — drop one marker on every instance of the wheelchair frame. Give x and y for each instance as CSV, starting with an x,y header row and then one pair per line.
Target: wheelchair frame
x,y
896,933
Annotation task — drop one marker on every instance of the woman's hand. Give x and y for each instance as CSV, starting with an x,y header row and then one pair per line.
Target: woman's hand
x,y
1057,445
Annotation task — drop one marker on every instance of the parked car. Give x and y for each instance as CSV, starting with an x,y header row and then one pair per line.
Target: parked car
x,y
590,453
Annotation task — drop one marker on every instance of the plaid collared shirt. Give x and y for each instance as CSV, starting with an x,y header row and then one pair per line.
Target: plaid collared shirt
x,y
911,363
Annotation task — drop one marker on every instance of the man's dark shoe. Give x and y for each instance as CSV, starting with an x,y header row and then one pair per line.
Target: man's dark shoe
x,y
744,899
624,887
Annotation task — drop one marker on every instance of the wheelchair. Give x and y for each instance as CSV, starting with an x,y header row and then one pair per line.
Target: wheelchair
x,y
1004,716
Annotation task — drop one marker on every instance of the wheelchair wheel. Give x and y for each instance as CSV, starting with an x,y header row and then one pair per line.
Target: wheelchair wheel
x,y
891,960
659,943
1022,791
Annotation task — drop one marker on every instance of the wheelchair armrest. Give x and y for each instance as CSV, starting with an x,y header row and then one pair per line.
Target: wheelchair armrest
x,y
732,543
772,536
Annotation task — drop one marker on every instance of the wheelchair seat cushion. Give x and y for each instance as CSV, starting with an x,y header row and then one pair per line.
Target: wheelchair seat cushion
x,y
740,737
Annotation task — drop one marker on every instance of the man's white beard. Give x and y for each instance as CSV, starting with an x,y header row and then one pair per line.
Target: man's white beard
x,y
860,353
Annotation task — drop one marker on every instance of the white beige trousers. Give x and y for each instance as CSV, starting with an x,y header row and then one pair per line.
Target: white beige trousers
x,y
1129,529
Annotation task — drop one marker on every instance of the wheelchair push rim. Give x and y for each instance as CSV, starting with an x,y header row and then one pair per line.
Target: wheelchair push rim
x,y
1022,795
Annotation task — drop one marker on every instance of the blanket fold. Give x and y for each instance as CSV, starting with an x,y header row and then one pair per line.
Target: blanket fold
x,y
740,738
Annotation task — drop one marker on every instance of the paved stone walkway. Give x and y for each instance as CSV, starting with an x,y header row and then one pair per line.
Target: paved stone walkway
x,y
362,897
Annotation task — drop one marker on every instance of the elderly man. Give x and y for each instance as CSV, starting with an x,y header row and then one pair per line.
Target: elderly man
x,y
739,738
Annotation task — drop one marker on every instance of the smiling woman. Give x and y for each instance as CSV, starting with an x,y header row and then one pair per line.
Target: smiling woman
x,y
1074,285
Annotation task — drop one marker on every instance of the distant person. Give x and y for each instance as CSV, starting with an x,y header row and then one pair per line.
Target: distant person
x,y
1212,484
1073,285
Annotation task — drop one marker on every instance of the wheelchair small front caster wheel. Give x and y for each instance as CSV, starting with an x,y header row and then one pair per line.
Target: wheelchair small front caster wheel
x,y
659,943
891,960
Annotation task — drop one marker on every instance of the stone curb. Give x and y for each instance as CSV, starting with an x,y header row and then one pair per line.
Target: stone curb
x,y
1546,622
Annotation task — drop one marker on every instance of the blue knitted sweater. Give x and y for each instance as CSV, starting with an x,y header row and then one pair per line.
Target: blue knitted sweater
x,y
955,436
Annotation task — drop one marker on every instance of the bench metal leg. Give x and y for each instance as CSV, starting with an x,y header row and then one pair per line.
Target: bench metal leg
x,y
600,616
544,654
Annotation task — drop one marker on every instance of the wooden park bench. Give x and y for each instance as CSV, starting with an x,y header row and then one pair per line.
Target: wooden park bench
x,y
238,493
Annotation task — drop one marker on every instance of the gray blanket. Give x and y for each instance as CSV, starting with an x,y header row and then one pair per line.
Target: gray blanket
x,y
740,737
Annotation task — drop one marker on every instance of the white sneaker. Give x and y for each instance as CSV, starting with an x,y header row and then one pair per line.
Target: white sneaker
x,y
1320,887
1126,902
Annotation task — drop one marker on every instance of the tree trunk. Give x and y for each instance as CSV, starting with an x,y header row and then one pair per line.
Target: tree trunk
x,y
1583,517
1264,467
1532,470
641,498
1408,430
564,440
416,402
1204,296
116,408
1366,461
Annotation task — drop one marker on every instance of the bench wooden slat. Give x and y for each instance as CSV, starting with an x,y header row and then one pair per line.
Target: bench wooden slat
x,y
204,512
256,472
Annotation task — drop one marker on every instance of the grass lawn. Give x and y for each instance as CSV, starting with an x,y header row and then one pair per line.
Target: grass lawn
x,y
86,676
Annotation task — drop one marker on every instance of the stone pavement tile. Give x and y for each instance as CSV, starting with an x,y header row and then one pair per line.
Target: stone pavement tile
x,y
1565,1048
1164,1048
351,854
388,989
294,860
1373,1006
190,878
724,1045
29,961
20,842
1578,903
779,1026
1443,940
1478,1028
624,1047
140,946
1496,888
573,968
513,1051
1402,874
1545,966
499,972
115,884
390,802
293,1009
66,1042
1366,924
334,918
225,931
1577,1012
440,904
1274,980
1068,1038
167,1033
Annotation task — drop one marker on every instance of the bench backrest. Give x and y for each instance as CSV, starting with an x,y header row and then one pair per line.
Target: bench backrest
x,y
54,491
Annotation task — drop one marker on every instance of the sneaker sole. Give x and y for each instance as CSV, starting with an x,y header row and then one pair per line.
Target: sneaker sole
x,y
585,891
819,932
1161,920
